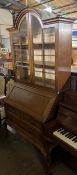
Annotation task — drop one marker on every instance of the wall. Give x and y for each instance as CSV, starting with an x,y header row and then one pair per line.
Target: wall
x,y
6,21
74,43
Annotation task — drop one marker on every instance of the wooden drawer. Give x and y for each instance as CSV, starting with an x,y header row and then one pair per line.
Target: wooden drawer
x,y
28,131
27,127
30,134
24,117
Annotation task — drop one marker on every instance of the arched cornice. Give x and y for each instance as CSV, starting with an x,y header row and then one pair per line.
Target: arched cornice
x,y
36,13
23,13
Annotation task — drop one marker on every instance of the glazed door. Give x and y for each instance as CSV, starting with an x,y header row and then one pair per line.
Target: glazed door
x,y
49,56
34,50
24,47
21,51
37,50
29,65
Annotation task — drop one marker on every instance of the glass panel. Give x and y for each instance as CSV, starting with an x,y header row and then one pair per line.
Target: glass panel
x,y
24,50
37,50
21,52
16,47
49,56
16,53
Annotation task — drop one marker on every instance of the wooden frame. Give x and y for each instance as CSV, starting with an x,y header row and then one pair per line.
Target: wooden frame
x,y
30,107
62,47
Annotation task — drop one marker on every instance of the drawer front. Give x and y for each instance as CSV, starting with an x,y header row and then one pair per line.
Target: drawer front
x,y
27,127
23,116
33,134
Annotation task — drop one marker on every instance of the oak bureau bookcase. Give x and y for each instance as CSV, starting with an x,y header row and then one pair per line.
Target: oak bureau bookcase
x,y
42,59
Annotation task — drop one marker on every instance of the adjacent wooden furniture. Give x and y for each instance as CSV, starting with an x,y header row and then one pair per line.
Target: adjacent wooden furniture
x,y
64,129
42,64
2,87
9,86
74,80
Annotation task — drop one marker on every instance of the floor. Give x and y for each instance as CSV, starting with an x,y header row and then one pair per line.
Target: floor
x,y
19,157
